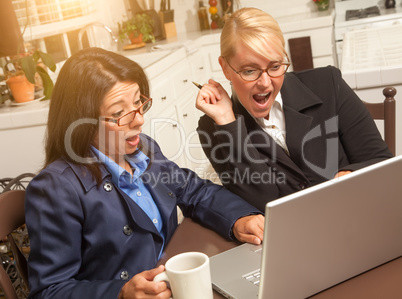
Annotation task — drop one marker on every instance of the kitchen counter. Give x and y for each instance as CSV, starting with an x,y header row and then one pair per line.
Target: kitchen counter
x,y
306,21
373,57
371,61
14,116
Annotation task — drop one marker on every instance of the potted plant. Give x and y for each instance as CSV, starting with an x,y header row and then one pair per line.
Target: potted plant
x,y
137,29
21,72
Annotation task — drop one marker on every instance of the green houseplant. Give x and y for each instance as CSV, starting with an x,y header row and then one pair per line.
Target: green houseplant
x,y
21,70
27,65
140,26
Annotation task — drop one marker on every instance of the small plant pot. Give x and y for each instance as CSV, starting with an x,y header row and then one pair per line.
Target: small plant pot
x,y
322,5
21,89
135,39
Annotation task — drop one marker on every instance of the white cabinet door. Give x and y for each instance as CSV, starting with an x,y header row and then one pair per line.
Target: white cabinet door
x,y
212,52
188,117
162,94
170,135
181,78
214,69
196,159
14,145
198,66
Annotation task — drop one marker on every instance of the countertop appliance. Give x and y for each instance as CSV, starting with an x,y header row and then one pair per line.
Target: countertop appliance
x,y
362,14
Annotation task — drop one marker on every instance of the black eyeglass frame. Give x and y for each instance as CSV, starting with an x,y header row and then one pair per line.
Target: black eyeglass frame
x,y
287,64
135,111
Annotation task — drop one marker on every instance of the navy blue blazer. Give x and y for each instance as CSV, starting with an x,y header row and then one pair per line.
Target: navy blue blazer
x,y
328,129
87,240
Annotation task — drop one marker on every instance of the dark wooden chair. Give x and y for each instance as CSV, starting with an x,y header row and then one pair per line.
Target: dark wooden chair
x,y
301,55
12,216
386,111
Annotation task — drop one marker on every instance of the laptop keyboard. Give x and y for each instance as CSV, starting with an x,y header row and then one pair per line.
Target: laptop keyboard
x,y
253,277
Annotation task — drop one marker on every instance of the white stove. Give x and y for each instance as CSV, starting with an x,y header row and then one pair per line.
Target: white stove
x,y
366,19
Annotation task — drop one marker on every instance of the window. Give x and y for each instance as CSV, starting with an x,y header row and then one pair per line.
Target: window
x,y
53,25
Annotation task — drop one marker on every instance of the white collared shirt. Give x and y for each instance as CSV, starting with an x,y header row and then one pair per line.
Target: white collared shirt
x,y
275,126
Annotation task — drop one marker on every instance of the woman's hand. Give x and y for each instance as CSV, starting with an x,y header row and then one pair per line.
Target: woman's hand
x,y
249,229
143,286
342,173
215,102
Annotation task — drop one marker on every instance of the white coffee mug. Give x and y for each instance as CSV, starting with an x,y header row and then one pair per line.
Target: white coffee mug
x,y
189,276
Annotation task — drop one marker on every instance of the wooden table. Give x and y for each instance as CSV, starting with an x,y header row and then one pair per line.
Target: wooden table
x,y
382,282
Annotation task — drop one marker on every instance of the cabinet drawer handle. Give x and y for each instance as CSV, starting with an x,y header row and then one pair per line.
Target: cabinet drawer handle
x,y
201,68
185,115
185,81
174,126
163,98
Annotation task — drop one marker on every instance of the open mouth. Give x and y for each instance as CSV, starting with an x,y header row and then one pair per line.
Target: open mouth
x,y
261,98
133,140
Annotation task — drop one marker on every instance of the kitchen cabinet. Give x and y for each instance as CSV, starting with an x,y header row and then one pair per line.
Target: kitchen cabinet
x,y
173,119
198,65
22,134
169,133
181,79
212,53
22,150
162,94
194,156
161,122
188,117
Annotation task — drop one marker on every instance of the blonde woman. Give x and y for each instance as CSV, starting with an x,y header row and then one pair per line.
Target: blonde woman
x,y
280,132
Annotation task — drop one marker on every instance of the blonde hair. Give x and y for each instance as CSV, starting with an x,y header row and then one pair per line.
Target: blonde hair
x,y
255,29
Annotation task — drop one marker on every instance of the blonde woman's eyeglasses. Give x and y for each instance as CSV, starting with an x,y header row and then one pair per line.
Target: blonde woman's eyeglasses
x,y
274,70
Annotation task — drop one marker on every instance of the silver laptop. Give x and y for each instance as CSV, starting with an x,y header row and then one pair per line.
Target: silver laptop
x,y
319,237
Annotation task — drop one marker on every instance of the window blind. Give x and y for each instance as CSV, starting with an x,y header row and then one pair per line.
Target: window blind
x,y
41,12
53,25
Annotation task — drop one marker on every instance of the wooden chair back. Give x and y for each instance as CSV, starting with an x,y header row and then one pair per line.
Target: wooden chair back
x,y
386,111
301,54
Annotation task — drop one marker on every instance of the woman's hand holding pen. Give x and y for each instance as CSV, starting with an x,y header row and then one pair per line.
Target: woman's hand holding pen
x,y
215,102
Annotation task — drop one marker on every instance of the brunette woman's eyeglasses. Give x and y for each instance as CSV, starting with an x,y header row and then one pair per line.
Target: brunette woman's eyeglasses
x,y
146,104
274,70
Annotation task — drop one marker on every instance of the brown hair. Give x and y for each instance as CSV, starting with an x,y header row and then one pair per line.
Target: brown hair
x,y
255,28
81,86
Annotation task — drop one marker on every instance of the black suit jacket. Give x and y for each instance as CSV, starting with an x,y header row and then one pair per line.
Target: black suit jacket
x,y
328,129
